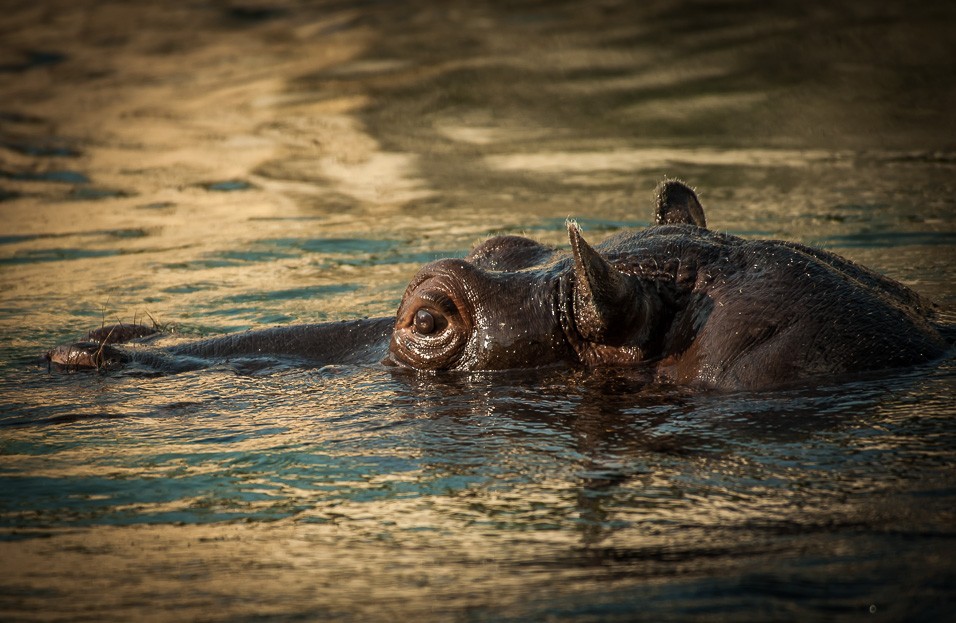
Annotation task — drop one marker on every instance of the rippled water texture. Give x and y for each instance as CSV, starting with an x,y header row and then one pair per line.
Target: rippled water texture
x,y
216,166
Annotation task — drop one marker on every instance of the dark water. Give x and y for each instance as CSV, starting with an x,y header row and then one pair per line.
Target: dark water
x,y
218,166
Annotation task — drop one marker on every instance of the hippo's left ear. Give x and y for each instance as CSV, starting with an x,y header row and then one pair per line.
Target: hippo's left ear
x,y
607,303
677,203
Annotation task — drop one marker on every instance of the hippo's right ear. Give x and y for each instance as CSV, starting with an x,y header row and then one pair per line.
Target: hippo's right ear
x,y
677,203
606,305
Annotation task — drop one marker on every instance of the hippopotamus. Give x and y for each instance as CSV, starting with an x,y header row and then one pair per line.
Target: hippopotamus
x,y
687,305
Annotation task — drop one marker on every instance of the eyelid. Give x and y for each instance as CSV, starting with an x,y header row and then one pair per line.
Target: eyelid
x,y
440,302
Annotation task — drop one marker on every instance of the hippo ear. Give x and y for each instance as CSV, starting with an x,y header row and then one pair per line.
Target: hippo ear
x,y
677,203
606,302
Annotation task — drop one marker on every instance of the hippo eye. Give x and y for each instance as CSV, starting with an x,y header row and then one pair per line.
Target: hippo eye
x,y
430,330
425,322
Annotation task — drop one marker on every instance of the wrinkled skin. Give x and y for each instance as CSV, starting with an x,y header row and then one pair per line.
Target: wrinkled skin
x,y
688,305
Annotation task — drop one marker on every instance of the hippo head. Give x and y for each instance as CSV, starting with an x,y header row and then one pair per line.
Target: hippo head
x,y
482,312
515,303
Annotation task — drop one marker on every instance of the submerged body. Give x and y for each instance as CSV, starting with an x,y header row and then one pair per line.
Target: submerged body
x,y
689,305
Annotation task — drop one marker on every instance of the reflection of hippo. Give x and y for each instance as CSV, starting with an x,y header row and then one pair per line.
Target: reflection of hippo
x,y
688,305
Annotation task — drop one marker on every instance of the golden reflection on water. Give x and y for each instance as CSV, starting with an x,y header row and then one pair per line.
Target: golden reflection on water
x,y
332,509
628,160
418,557
280,569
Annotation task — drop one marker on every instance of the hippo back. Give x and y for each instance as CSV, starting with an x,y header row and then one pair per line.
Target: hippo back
x,y
750,313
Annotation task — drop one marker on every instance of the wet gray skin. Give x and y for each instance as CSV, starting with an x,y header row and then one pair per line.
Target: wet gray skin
x,y
688,305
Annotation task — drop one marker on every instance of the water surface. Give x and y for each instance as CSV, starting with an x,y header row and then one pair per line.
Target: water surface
x,y
215,167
